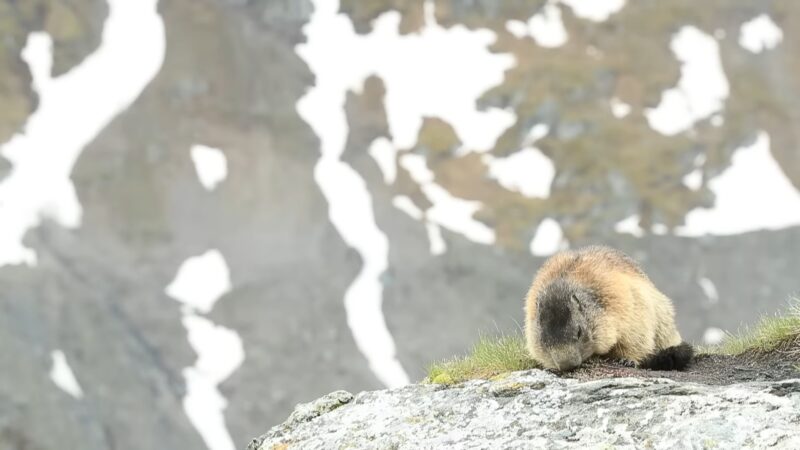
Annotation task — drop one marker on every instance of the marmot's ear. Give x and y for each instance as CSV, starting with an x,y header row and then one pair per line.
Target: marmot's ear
x,y
577,302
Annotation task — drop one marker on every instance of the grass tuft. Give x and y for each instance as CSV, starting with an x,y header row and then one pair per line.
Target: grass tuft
x,y
490,356
778,333
496,355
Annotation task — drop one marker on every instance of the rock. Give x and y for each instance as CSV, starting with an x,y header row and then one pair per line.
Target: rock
x,y
536,409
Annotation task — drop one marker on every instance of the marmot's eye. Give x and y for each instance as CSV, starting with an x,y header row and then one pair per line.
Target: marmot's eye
x,y
577,303
580,333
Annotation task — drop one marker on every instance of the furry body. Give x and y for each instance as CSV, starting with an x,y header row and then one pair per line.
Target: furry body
x,y
597,301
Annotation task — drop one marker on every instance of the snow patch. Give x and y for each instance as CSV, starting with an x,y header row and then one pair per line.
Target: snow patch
x,y
437,244
760,34
594,10
219,353
630,226
694,179
713,336
549,239
63,376
210,164
701,90
198,285
619,109
527,171
385,155
422,73
752,194
73,108
536,133
201,281
405,204
447,211
709,289
456,214
417,167
547,28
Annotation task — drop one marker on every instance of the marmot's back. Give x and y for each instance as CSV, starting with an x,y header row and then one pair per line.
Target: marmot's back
x,y
596,301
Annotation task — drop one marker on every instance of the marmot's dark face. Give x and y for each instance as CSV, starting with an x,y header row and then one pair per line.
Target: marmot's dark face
x,y
564,310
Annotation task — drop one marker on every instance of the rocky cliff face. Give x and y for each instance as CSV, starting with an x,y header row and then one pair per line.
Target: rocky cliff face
x,y
537,410
441,248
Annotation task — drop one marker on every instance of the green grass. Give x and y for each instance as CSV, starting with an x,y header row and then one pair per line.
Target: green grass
x,y
490,356
778,333
495,355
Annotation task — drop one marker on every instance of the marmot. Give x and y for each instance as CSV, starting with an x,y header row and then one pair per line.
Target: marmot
x,y
597,301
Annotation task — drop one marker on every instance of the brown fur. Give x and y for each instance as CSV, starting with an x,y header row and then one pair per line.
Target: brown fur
x,y
634,319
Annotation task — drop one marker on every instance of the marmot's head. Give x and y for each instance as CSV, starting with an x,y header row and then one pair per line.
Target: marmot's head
x,y
564,318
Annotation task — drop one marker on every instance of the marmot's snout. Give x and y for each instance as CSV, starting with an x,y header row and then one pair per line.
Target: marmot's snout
x,y
563,328
566,357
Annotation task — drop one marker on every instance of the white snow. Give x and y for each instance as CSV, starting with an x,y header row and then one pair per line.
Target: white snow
x,y
752,194
527,171
547,28
549,238
419,82
210,164
760,34
713,336
423,74
201,281
417,167
702,88
456,214
73,108
659,228
709,289
385,155
437,244
537,132
594,10
433,230
198,285
619,109
694,179
405,204
517,28
447,211
219,353
629,225
63,376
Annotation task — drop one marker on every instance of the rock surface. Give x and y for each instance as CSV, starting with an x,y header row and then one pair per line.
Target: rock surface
x,y
536,409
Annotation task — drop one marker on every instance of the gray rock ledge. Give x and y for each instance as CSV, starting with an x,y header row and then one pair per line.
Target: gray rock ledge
x,y
538,410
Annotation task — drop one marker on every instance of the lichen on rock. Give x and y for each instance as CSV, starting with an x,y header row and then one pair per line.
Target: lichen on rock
x,y
536,409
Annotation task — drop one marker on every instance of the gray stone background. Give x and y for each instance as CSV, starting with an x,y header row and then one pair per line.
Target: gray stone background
x,y
231,79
